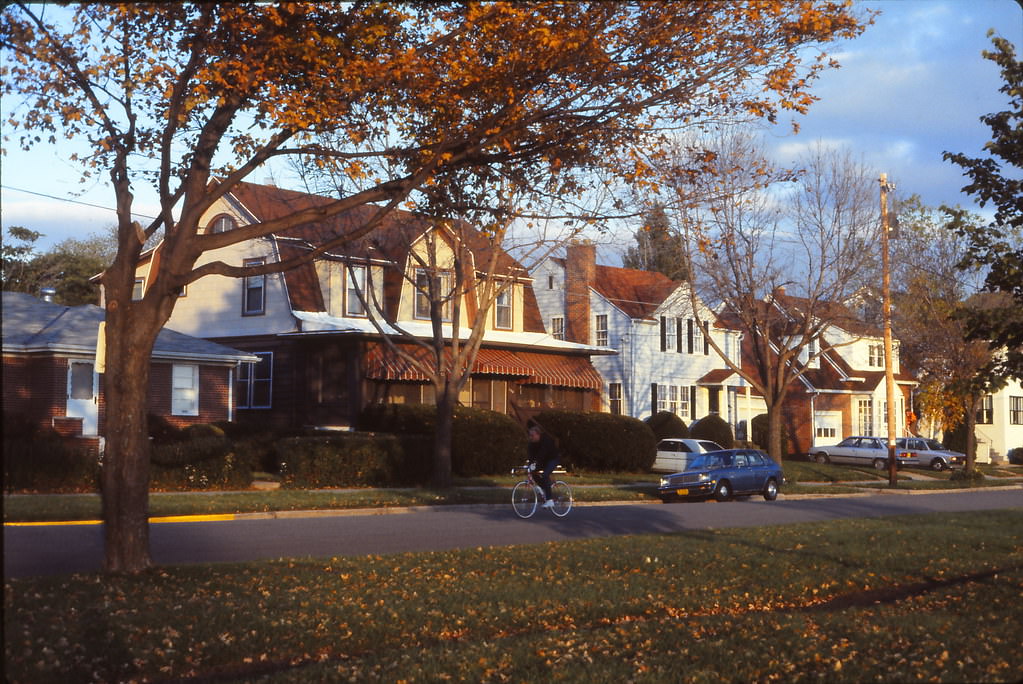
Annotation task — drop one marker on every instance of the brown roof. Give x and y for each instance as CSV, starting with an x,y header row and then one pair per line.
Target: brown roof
x,y
637,293
390,241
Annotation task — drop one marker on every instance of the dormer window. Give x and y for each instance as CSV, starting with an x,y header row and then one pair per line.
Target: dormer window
x,y
222,224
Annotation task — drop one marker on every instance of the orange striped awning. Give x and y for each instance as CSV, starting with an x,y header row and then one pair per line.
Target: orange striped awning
x,y
533,368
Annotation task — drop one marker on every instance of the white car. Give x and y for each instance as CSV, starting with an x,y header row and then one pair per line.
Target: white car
x,y
861,451
675,454
930,453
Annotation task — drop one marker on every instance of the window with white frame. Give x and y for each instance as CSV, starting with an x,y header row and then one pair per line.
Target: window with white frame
x,y
254,290
185,390
683,400
222,224
865,414
601,330
673,399
824,432
138,290
558,327
255,382
356,279
503,310
812,360
441,289
697,338
876,356
614,398
1015,410
986,413
662,398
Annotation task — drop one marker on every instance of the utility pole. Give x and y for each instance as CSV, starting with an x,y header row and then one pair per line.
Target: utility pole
x,y
886,310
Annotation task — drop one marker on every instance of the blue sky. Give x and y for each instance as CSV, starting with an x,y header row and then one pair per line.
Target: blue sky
x,y
913,86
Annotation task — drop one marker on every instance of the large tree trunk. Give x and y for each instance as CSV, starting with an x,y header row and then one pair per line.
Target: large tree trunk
x,y
442,436
124,478
971,433
775,442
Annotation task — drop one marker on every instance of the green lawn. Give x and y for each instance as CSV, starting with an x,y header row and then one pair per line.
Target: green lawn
x,y
930,597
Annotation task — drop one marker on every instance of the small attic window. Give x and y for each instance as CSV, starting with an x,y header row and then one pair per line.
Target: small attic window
x,y
222,224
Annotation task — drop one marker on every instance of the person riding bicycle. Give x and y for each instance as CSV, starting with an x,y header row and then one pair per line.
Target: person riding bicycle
x,y
543,458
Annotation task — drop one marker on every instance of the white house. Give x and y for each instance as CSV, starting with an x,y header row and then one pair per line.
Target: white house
x,y
664,362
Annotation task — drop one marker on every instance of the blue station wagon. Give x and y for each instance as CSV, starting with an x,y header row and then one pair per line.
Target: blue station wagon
x,y
722,475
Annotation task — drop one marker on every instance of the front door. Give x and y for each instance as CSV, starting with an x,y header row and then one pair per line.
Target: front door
x,y
82,401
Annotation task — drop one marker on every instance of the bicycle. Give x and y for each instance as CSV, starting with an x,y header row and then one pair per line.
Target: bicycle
x,y
527,495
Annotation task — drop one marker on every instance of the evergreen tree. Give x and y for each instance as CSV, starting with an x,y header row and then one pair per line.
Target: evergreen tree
x,y
658,248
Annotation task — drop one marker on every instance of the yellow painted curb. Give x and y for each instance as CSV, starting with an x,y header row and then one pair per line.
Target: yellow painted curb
x,y
163,519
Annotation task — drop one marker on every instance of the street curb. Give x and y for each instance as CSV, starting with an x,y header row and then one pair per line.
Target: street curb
x,y
400,510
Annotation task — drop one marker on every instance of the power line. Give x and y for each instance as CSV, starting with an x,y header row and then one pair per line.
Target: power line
x,y
67,199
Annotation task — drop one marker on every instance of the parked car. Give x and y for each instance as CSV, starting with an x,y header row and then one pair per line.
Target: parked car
x,y
674,454
722,475
860,451
930,453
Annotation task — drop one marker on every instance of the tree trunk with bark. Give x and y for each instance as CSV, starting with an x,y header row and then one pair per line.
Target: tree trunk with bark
x,y
443,434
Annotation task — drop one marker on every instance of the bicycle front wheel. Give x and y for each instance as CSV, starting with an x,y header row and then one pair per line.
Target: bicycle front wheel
x,y
524,499
562,495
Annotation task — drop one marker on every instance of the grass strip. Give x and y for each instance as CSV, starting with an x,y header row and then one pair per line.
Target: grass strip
x,y
929,597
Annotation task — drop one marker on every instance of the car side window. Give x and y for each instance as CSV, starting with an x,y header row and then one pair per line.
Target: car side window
x,y
755,459
850,441
740,461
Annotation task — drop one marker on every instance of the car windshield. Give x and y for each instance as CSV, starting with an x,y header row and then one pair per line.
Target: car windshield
x,y
705,462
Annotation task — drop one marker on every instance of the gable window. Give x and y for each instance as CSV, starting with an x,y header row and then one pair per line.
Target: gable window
x,y
812,360
558,327
356,284
503,310
1015,410
138,290
441,289
614,398
986,414
254,383
185,390
550,282
222,224
601,330
876,356
254,290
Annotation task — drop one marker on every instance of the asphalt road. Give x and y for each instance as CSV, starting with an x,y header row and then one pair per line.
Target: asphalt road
x,y
61,549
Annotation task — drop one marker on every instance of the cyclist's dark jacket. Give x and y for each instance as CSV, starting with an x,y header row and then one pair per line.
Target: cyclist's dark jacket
x,y
543,451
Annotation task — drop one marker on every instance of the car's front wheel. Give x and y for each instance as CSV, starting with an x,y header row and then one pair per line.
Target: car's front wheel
x,y
723,492
821,457
771,490
938,465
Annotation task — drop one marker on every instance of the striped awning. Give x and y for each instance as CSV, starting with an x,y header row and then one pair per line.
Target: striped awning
x,y
530,368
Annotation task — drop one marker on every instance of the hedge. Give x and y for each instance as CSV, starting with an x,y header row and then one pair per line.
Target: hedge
x,y
600,442
42,461
343,459
197,457
666,424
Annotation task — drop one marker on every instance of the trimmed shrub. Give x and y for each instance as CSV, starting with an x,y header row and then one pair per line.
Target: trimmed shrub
x,y
161,430
201,458
41,461
600,442
1015,456
482,442
714,428
972,477
758,433
666,424
342,459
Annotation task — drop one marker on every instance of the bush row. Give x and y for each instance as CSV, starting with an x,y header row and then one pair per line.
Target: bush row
x,y
600,441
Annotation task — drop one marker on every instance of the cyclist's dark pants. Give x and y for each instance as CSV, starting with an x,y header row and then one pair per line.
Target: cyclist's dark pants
x,y
543,476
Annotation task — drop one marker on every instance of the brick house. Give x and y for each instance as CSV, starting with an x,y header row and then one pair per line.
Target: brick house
x,y
321,356
50,375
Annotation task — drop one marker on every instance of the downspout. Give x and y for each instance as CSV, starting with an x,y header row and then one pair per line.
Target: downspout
x,y
813,420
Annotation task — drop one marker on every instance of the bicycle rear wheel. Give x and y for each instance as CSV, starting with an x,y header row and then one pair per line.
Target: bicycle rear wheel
x,y
524,499
562,495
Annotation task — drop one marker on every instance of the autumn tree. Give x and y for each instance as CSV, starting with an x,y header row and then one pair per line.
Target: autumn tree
x,y
930,292
998,246
777,251
68,267
399,98
16,254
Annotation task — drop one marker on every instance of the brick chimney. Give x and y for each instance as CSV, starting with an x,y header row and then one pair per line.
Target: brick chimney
x,y
580,271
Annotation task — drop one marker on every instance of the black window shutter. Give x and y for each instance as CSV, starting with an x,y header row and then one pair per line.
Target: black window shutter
x,y
664,333
678,335
692,402
689,333
653,398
